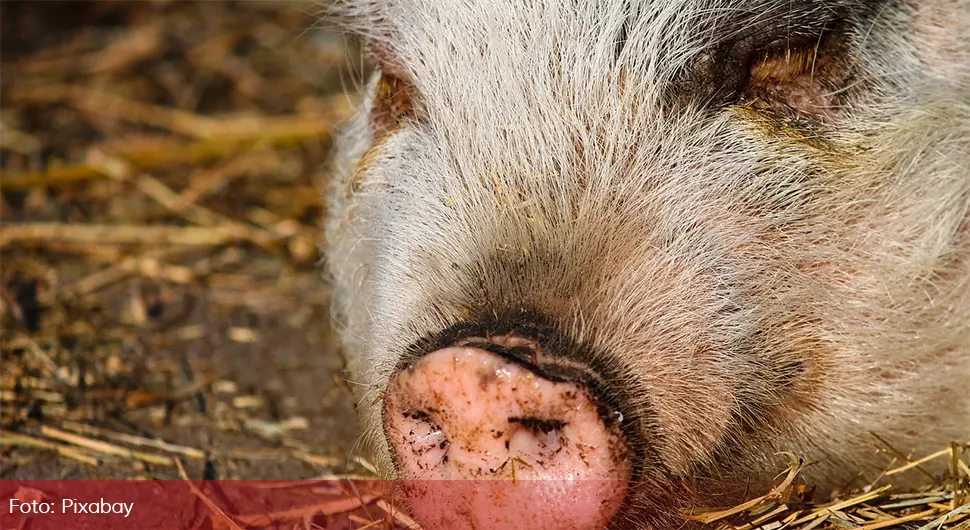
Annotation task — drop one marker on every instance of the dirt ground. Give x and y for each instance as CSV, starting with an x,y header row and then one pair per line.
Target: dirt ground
x,y
162,167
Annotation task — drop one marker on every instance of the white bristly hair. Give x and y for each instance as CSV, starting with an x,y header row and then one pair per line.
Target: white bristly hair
x,y
760,284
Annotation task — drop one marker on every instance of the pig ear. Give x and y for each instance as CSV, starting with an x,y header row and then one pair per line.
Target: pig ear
x,y
394,96
389,64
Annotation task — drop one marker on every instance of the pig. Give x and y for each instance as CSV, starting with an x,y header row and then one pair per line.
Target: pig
x,y
595,262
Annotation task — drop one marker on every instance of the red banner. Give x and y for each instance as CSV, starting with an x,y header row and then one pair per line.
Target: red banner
x,y
212,505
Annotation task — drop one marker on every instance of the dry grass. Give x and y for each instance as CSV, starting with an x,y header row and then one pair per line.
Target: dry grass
x,y
943,503
163,315
161,179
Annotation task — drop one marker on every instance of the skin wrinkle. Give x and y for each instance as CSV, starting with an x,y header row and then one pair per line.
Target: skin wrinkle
x,y
746,278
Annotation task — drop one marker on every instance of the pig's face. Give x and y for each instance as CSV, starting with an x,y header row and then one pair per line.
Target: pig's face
x,y
644,243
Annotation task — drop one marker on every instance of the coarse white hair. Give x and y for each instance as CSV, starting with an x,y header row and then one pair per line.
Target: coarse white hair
x,y
766,256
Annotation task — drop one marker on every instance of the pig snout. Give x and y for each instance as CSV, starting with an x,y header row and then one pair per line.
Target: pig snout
x,y
534,452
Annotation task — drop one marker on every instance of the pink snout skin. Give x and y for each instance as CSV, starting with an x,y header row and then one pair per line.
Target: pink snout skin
x,y
482,442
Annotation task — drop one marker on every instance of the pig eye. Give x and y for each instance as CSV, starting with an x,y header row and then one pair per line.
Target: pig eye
x,y
798,70
393,97
799,80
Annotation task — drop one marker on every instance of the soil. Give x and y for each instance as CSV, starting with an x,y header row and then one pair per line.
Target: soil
x,y
127,117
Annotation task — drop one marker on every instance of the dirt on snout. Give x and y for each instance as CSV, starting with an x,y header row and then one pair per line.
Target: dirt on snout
x,y
161,195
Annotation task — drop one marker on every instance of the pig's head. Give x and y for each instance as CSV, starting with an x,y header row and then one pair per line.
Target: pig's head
x,y
634,248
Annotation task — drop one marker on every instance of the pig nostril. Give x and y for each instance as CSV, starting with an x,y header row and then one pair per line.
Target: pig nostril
x,y
539,424
425,438
535,439
417,415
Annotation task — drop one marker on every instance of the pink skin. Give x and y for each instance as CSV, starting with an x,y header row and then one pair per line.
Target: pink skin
x,y
538,452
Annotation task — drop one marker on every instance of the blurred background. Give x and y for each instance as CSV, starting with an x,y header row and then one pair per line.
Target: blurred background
x,y
162,168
